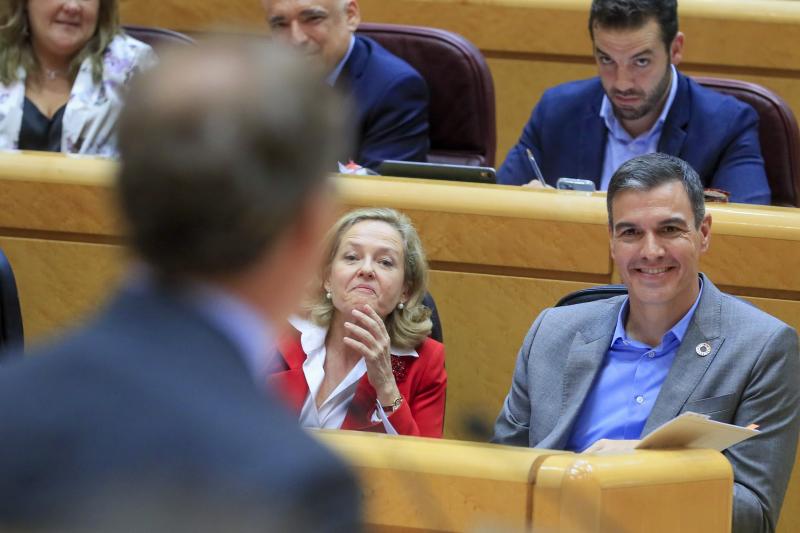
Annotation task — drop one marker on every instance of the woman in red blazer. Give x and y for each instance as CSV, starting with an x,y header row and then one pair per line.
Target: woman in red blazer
x,y
362,359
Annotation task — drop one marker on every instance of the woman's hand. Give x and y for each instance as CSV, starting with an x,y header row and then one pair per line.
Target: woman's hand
x,y
367,335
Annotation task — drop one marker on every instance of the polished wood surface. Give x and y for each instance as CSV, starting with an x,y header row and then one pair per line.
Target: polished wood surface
x,y
499,256
51,193
532,45
433,485
60,282
629,492
417,484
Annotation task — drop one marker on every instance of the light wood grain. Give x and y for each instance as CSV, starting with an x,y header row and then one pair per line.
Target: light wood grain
x,y
437,485
417,484
60,282
657,491
484,320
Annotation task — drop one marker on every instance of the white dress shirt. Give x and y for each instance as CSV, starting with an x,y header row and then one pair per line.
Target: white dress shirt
x,y
333,411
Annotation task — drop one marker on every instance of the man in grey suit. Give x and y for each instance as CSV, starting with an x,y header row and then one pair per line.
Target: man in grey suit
x,y
154,416
600,375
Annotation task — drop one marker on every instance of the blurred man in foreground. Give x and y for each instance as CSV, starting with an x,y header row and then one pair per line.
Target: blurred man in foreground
x,y
621,367
153,417
390,97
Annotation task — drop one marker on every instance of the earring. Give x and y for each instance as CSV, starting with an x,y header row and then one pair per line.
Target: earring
x,y
328,295
401,306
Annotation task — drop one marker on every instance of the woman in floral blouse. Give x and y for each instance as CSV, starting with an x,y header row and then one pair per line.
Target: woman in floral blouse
x,y
64,65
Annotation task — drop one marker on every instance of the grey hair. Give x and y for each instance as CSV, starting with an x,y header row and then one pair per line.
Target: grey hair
x,y
647,172
408,327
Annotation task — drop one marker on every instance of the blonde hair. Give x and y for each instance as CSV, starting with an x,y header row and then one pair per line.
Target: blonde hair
x,y
16,49
408,327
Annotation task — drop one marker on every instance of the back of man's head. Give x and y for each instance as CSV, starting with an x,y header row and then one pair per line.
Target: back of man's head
x,y
633,14
221,146
647,172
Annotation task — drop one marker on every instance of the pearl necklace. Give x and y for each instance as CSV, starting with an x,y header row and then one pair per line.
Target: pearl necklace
x,y
52,74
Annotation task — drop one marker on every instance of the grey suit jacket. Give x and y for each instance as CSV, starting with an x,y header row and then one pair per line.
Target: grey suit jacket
x,y
752,375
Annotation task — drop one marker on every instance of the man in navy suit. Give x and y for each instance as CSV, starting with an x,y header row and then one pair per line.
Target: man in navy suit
x,y
640,104
390,97
155,415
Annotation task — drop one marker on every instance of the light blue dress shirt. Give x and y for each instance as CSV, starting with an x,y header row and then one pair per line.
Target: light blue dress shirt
x,y
620,146
334,75
244,327
627,385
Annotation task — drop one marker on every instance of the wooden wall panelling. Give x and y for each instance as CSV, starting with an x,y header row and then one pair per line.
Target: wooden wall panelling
x,y
418,484
484,321
50,193
60,282
495,225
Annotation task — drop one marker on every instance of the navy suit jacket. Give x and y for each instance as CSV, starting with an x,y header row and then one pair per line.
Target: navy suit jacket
x,y
391,105
715,133
148,419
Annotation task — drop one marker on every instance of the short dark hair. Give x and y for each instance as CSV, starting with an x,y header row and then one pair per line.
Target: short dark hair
x,y
647,172
633,14
221,146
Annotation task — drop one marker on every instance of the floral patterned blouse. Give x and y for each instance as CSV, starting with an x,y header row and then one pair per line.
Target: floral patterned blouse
x,y
90,117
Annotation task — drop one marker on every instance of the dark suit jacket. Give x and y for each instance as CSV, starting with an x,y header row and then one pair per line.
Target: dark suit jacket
x,y
149,417
715,133
391,105
421,380
750,376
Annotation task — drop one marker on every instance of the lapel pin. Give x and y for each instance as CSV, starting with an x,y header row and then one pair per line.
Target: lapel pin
x,y
703,349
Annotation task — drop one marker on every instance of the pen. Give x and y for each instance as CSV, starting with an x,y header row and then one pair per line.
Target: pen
x,y
535,168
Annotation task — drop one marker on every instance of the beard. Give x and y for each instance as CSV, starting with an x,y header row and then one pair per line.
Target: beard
x,y
649,103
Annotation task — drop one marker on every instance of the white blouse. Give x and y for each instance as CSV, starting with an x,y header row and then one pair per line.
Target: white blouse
x,y
90,118
333,411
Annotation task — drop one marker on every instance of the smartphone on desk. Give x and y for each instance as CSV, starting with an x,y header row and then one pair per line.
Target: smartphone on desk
x,y
575,184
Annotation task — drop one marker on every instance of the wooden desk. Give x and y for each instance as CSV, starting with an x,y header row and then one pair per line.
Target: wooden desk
x,y
414,484
499,255
629,493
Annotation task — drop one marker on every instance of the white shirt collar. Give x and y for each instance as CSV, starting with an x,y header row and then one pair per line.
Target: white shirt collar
x,y
332,413
334,75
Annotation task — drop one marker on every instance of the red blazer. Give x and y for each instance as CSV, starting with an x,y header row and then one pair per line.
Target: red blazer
x,y
421,380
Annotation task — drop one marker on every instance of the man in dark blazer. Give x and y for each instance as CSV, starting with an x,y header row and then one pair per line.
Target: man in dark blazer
x,y
601,375
155,416
389,96
640,104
